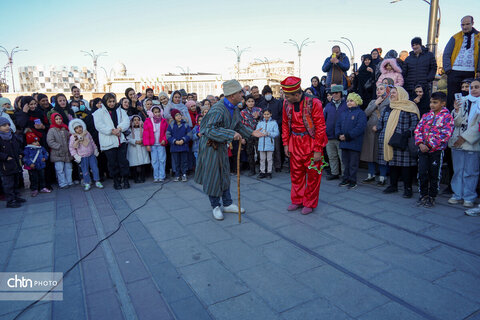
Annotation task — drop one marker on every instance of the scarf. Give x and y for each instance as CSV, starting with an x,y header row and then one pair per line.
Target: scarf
x,y
85,141
140,127
401,104
54,124
229,105
248,118
469,38
6,135
474,107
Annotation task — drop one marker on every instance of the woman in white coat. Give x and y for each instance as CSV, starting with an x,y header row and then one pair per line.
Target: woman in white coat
x,y
111,121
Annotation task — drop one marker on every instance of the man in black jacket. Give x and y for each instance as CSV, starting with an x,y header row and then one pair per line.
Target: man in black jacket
x,y
420,67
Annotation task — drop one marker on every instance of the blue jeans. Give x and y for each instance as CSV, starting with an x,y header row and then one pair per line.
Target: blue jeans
x,y
465,174
64,173
382,167
180,163
86,164
226,199
159,157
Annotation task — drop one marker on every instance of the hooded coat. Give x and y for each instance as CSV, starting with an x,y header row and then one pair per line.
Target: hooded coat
x,y
81,150
137,154
395,74
57,140
104,125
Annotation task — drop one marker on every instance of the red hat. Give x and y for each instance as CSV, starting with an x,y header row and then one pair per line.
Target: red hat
x,y
31,138
291,84
174,112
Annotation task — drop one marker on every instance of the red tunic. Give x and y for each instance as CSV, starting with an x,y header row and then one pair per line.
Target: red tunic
x,y
305,182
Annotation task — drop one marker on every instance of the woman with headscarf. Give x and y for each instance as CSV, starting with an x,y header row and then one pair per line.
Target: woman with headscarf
x,y
370,139
176,103
466,147
366,80
134,105
63,108
376,58
422,100
398,120
317,88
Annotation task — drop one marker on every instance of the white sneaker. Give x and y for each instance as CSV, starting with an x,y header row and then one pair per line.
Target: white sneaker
x,y
473,212
233,208
452,200
468,204
217,213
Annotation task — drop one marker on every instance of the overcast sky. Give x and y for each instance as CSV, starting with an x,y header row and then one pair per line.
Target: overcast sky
x,y
153,37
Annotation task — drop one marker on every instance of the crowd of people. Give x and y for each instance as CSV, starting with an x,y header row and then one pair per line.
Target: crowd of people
x,y
384,114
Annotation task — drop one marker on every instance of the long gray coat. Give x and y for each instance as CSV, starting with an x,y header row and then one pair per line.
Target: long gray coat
x,y
370,139
213,167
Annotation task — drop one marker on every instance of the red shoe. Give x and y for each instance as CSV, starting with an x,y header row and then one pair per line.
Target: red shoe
x,y
307,210
293,207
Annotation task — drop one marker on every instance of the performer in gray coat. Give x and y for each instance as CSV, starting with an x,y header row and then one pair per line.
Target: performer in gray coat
x,y
220,126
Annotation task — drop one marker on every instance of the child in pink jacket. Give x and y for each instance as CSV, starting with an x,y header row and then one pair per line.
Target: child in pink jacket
x,y
84,151
154,138
390,69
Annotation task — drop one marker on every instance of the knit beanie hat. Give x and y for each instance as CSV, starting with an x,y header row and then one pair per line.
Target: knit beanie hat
x,y
31,138
417,40
356,98
3,121
173,112
190,103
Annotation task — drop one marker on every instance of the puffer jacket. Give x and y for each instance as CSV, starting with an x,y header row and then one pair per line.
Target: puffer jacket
x,y
29,154
351,124
269,127
332,114
434,131
177,132
395,74
80,149
57,140
104,125
419,70
342,66
468,131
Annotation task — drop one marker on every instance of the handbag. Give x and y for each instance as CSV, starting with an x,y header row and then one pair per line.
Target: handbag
x,y
412,147
398,141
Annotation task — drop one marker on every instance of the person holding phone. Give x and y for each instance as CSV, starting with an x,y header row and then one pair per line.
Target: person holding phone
x,y
336,67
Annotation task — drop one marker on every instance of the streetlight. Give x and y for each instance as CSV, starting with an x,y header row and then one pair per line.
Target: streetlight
x,y
267,63
238,52
433,24
10,60
95,59
187,74
304,43
353,55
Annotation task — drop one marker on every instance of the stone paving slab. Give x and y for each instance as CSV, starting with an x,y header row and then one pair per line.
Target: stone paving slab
x,y
360,255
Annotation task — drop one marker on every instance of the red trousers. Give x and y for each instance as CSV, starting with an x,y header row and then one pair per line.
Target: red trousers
x,y
305,182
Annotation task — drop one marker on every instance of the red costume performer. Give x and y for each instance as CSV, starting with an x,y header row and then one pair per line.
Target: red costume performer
x,y
304,133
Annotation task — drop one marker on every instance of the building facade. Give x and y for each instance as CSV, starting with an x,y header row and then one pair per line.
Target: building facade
x,y
55,79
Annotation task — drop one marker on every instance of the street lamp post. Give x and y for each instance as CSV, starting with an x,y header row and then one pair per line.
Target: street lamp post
x,y
187,74
94,59
434,21
267,63
304,43
238,52
10,60
353,55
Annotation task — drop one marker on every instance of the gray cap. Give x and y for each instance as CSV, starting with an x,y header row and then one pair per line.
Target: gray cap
x,y
336,88
231,86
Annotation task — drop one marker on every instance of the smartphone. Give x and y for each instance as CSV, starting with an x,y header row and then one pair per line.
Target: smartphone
x,y
458,97
334,55
37,121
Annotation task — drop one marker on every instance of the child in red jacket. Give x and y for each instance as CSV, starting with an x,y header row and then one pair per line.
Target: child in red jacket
x,y
154,138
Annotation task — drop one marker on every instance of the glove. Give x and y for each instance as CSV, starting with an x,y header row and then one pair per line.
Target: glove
x,y
77,158
96,153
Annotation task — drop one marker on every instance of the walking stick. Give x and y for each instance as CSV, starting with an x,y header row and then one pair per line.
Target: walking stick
x,y
238,181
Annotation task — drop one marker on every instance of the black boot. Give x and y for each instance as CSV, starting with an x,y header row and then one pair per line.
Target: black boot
x,y
142,174
126,184
117,183
407,193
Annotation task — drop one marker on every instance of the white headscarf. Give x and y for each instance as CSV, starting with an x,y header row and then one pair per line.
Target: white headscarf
x,y
475,106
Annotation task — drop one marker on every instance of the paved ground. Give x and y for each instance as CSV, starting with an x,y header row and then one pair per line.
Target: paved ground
x,y
360,255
